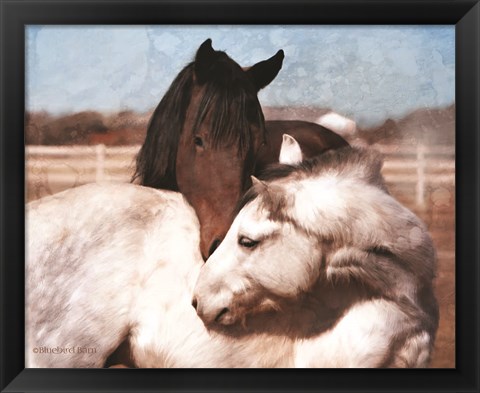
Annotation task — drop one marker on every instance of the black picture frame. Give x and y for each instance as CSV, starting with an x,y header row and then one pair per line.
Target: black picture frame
x,y
464,14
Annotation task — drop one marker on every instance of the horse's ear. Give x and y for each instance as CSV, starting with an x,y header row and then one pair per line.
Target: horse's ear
x,y
258,183
290,151
203,59
264,72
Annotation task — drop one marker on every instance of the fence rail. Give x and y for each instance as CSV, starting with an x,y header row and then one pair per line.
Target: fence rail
x,y
55,168
421,164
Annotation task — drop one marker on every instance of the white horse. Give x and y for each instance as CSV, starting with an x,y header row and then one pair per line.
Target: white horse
x,y
327,266
108,263
105,262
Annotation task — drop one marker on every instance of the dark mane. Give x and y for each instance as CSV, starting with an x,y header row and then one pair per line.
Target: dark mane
x,y
157,156
229,97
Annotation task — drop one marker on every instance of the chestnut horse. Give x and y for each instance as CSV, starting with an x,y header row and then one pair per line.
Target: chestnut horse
x,y
208,135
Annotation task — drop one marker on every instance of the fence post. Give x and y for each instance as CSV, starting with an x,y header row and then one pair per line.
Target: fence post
x,y
420,186
100,167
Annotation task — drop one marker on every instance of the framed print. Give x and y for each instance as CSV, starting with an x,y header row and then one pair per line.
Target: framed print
x,y
321,158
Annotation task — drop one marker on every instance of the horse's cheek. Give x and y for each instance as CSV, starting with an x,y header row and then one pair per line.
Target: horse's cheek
x,y
264,269
288,267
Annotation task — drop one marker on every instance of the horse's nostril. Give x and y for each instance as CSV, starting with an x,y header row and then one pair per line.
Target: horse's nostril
x,y
221,314
214,246
194,303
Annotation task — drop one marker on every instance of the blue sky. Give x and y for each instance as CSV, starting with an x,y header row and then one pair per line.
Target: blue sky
x,y
368,73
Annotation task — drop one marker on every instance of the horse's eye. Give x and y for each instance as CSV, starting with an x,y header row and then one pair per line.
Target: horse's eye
x,y
198,141
247,243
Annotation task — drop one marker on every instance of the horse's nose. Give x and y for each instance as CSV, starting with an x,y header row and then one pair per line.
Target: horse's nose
x,y
222,315
195,303
214,246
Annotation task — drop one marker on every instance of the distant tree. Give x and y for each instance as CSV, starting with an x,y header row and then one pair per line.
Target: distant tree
x,y
36,127
42,128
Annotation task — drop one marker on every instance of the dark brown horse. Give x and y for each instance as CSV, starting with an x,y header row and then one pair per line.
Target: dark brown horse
x,y
208,135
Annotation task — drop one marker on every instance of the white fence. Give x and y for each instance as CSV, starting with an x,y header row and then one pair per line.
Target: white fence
x,y
52,169
420,165
93,163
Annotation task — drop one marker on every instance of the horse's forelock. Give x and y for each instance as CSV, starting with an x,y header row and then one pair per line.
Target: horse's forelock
x,y
231,100
273,199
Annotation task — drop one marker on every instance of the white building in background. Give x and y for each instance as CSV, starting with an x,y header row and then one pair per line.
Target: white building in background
x,y
338,123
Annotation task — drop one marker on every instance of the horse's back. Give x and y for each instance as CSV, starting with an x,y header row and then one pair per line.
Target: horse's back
x,y
95,215
90,251
313,138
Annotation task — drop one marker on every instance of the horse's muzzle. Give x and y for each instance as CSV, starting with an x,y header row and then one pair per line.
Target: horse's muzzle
x,y
212,315
194,303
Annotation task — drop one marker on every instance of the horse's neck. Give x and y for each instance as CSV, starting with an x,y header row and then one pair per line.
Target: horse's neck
x,y
309,315
314,312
